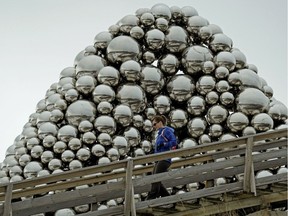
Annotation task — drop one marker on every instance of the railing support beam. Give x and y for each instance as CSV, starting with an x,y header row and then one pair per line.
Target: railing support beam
x,y
129,206
8,198
249,178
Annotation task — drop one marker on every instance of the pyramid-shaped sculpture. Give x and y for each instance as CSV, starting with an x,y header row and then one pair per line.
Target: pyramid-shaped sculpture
x,y
163,60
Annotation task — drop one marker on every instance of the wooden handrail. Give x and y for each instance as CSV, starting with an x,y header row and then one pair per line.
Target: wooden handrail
x,y
120,169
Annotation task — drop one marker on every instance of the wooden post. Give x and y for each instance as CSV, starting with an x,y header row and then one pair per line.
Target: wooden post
x,y
249,178
8,198
129,206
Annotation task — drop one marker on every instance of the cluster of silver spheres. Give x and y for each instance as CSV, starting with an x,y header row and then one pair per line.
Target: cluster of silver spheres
x,y
163,60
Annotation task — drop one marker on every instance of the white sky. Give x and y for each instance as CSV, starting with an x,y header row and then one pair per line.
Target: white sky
x,y
38,39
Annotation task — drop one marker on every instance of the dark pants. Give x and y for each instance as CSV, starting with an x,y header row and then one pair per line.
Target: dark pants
x,y
157,188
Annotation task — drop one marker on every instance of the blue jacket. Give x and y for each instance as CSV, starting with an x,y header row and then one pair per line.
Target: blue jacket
x,y
167,138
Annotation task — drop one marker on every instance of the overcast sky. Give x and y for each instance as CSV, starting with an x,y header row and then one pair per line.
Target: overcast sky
x,y
38,39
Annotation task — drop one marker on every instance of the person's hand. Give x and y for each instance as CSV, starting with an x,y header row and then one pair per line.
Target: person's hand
x,y
160,146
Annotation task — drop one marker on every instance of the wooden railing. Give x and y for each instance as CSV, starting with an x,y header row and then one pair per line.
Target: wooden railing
x,y
196,164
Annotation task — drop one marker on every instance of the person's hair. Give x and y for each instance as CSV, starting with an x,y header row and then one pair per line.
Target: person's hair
x,y
160,118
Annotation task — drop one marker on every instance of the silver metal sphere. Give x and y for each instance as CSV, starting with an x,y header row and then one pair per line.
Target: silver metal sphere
x,y
56,116
197,126
15,171
234,79
121,143
217,114
75,164
85,84
113,154
79,111
68,72
89,138
133,136
188,143
130,70
188,11
178,118
71,95
193,58
161,10
66,133
127,23
162,104
152,80
103,160
220,42
60,146
240,58
237,121
139,152
47,156
227,98
181,87
215,130
176,39
205,33
24,160
55,164
252,101
148,57
49,141
147,19
67,156
195,23
147,126
155,39
204,138
85,126
104,107
83,154
262,122
31,169
249,79
37,151
208,67
248,131
123,48
196,105
221,72
146,146
132,95
205,84
225,59
114,29
137,32
109,75
102,39
169,64
138,121
104,139
90,65
222,86
105,124
103,92
98,150
162,24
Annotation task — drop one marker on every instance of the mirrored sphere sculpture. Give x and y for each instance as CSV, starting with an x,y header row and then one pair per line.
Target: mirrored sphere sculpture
x,y
158,61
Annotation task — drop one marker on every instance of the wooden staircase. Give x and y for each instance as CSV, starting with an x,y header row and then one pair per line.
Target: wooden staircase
x,y
127,178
